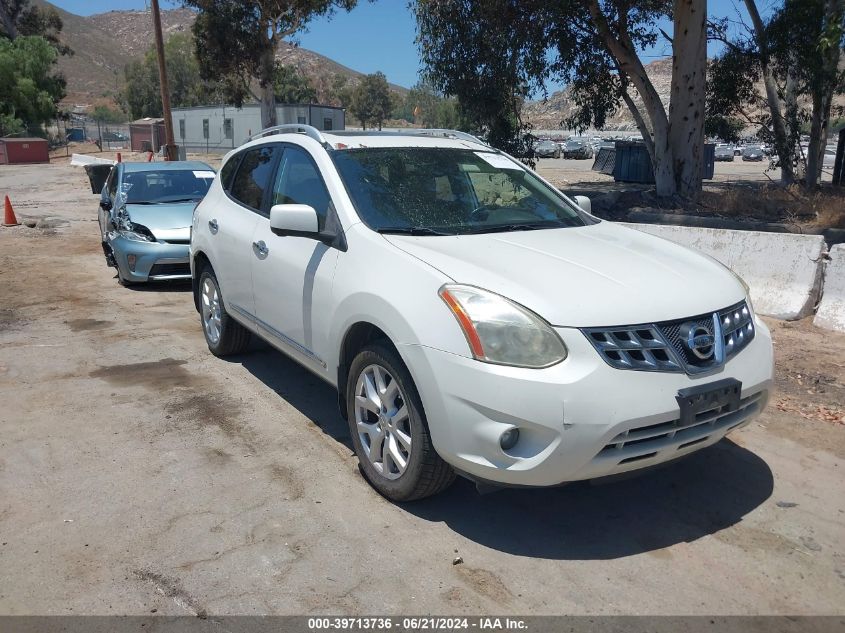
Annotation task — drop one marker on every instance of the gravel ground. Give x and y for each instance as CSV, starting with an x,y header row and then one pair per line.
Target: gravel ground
x,y
140,473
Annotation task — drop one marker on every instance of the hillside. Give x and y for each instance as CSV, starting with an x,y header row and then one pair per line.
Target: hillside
x,y
549,113
104,43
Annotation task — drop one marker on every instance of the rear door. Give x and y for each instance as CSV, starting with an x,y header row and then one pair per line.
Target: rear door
x,y
292,276
232,223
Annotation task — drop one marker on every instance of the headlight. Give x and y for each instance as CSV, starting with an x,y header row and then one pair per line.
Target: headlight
x,y
132,231
501,331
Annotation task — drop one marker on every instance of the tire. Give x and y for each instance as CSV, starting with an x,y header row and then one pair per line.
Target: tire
x,y
223,335
424,473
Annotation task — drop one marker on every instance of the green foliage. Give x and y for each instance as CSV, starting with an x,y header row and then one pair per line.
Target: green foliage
x,y
30,90
105,114
494,54
141,95
290,86
726,128
18,17
237,39
372,101
801,44
340,92
425,105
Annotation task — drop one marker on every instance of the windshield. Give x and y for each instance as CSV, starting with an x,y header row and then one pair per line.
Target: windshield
x,y
166,185
437,191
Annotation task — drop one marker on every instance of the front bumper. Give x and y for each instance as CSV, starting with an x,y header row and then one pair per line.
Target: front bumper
x,y
154,261
580,419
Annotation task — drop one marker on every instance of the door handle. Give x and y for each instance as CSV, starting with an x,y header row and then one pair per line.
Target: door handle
x,y
212,226
260,247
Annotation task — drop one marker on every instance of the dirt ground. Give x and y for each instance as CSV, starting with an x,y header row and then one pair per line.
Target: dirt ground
x,y
138,473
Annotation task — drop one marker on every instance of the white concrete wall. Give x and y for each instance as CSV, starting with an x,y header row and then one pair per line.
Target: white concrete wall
x,y
783,270
831,312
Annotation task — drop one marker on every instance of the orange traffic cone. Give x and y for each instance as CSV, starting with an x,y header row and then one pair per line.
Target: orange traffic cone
x,y
9,218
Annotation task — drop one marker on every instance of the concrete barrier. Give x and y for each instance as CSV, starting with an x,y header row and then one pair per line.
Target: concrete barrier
x,y
831,312
783,270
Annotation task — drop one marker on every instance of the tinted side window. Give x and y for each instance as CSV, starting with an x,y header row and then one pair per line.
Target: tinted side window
x,y
112,182
228,168
253,176
299,182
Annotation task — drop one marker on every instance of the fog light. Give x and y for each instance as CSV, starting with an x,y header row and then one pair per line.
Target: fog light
x,y
509,439
131,259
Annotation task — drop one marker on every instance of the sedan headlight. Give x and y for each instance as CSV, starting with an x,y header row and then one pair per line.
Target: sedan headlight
x,y
501,331
132,231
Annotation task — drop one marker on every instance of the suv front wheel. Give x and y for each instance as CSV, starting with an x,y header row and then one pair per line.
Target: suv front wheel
x,y
389,430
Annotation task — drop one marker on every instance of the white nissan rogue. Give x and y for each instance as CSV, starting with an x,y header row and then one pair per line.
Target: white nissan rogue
x,y
473,319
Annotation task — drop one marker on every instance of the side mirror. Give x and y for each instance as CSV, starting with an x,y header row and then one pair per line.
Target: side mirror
x,y
298,220
105,205
584,203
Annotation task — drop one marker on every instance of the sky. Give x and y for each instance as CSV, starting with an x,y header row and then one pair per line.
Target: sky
x,y
375,35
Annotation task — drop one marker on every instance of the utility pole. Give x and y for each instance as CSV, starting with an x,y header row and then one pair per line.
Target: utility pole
x,y
171,150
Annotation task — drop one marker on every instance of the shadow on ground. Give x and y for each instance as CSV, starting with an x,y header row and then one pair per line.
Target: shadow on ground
x,y
681,502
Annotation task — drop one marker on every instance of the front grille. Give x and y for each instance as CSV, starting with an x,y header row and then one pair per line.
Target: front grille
x,y
645,442
692,345
162,270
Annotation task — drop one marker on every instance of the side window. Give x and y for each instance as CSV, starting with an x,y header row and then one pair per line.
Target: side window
x,y
253,176
112,183
299,182
226,171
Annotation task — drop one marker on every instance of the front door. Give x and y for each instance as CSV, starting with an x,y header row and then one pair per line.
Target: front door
x,y
292,276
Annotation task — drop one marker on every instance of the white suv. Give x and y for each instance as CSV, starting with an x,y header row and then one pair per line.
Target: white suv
x,y
472,318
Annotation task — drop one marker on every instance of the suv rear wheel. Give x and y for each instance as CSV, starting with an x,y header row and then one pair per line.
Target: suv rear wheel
x,y
223,334
389,430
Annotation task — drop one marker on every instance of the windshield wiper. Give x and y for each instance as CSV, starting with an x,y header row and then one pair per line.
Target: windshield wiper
x,y
507,228
412,230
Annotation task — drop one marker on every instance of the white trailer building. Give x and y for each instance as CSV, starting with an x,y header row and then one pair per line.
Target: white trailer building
x,y
220,128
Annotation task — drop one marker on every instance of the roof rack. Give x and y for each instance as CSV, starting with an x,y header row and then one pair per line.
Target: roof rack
x,y
299,128
456,134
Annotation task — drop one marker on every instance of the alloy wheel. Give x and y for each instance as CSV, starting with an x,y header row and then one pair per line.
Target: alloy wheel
x,y
383,421
211,310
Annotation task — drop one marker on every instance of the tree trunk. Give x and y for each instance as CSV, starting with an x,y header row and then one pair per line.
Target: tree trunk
x,y
686,105
267,94
624,53
823,94
784,149
818,139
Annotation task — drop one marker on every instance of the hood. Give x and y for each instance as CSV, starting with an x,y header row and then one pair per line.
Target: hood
x,y
167,221
591,276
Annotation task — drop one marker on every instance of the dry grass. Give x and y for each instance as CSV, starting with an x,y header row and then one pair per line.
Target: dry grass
x,y
774,203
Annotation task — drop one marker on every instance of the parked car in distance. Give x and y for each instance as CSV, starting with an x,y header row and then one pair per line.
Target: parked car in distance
x,y
752,153
723,153
547,149
577,148
472,318
829,160
145,218
114,137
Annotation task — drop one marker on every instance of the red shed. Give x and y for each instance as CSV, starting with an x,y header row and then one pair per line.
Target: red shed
x,y
146,134
23,150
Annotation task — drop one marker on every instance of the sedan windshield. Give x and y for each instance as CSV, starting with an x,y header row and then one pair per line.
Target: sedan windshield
x,y
437,191
166,185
